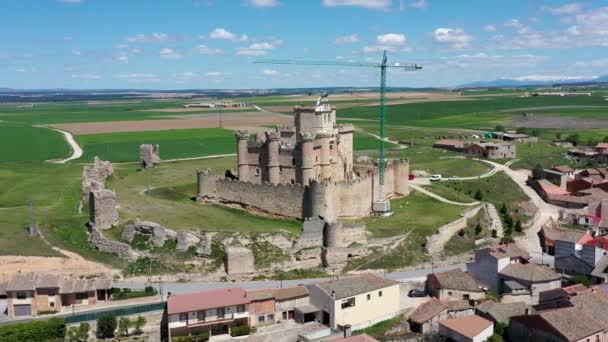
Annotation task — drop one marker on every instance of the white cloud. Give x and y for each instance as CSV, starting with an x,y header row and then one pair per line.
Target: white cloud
x,y
205,50
270,72
87,76
151,38
214,74
122,58
221,33
486,60
76,52
419,4
489,28
168,53
593,63
255,49
263,3
135,75
376,4
567,9
71,1
21,70
518,26
351,38
457,38
391,39
553,78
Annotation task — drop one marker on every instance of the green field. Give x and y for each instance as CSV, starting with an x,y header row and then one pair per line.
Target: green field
x,y
27,143
183,143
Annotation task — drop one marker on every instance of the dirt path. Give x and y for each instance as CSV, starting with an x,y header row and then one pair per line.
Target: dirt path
x,y
76,150
386,139
439,198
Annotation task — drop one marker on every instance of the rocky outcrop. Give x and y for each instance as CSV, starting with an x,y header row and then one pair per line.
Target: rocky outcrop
x,y
336,258
103,244
149,155
308,258
312,234
278,240
204,246
185,240
239,260
158,233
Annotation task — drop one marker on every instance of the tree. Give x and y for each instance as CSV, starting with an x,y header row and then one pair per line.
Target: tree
x,y
574,138
478,229
461,232
478,195
123,326
106,325
508,221
605,139
499,128
79,333
495,338
139,323
503,208
538,172
494,233
558,135
518,227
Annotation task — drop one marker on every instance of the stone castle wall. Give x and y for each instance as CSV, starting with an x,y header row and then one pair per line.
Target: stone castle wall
x,y
436,242
281,199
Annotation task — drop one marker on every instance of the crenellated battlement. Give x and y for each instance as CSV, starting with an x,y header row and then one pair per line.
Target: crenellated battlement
x,y
346,128
242,134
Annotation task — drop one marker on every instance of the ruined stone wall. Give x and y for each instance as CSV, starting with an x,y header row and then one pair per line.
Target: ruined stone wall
x,y
312,233
281,199
94,176
239,260
207,190
149,155
436,242
103,244
103,213
339,235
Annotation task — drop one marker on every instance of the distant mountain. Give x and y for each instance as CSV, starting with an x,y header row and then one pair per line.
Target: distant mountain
x,y
521,83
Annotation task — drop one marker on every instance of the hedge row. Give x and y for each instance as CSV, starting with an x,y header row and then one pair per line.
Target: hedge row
x,y
36,331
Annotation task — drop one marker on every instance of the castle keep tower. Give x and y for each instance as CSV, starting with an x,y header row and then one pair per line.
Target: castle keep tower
x,y
308,158
242,137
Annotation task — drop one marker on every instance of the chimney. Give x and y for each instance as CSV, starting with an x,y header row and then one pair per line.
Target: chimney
x,y
528,311
168,295
333,294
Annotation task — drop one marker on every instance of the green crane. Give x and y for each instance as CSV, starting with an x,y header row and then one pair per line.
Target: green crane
x,y
381,205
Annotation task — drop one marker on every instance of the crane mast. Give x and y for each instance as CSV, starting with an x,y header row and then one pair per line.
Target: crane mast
x,y
381,204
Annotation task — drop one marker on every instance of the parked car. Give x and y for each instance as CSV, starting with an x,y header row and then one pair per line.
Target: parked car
x,y
416,293
411,176
435,178
454,178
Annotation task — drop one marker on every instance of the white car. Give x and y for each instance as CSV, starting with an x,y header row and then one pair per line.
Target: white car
x,y
435,178
454,178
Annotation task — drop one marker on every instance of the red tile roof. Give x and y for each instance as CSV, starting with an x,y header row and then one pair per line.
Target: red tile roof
x,y
551,189
206,300
358,338
598,241
469,326
450,142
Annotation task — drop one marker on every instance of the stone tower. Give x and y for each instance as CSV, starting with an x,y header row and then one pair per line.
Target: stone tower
x,y
401,172
207,189
242,137
307,157
272,140
149,155
102,209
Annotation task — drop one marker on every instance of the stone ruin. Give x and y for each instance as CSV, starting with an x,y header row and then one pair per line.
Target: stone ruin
x,y
239,260
149,155
94,176
103,212
159,234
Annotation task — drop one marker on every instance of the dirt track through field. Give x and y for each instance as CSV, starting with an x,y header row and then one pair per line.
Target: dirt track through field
x,y
229,121
558,121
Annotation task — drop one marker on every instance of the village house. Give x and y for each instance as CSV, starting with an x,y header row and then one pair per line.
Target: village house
x,y
291,300
261,307
514,137
359,301
214,311
492,150
567,324
357,338
453,285
450,145
570,241
425,318
502,312
466,329
506,269
32,295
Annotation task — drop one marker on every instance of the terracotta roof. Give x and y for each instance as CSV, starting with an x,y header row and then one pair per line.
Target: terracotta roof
x,y
22,282
358,338
3,289
290,292
427,310
458,305
508,251
552,231
602,145
598,241
562,292
527,206
530,272
352,286
550,188
469,326
571,323
457,280
563,169
449,142
258,295
206,300
73,285
47,281
502,312
592,304
102,284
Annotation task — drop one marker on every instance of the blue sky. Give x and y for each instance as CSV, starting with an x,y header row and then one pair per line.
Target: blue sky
x,y
179,44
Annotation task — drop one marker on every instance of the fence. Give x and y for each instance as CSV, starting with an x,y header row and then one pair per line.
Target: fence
x,y
125,311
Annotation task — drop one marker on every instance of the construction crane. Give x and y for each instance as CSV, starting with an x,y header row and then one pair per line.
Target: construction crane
x,y
381,205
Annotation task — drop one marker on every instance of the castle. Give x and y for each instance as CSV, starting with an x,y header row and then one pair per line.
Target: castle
x,y
304,170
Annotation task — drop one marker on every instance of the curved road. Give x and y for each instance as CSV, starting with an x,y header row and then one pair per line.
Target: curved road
x,y
76,150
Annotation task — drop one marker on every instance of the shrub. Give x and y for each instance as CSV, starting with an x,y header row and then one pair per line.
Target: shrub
x,y
49,330
478,229
538,172
518,227
150,289
478,195
79,333
461,232
494,233
503,208
240,330
123,326
47,312
106,325
139,323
